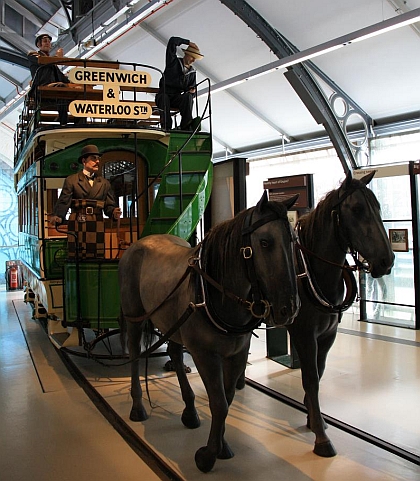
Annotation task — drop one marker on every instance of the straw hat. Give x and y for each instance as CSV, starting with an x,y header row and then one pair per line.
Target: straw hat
x,y
194,52
40,37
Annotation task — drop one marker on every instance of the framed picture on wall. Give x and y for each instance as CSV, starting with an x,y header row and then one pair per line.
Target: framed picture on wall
x,y
399,239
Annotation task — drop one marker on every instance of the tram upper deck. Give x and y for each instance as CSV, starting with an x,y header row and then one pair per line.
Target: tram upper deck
x,y
162,179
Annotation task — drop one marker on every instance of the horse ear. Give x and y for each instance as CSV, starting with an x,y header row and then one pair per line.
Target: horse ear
x,y
345,184
290,202
262,201
367,178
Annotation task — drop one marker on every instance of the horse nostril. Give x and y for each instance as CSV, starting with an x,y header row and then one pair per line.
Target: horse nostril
x,y
283,311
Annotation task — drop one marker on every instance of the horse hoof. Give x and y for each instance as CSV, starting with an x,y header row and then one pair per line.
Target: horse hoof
x,y
190,419
203,460
226,452
326,450
138,415
169,366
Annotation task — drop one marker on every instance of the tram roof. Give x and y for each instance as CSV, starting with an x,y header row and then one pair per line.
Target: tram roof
x,y
253,105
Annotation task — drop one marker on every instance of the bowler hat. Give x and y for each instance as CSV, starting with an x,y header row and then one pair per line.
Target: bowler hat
x,y
89,150
194,52
40,37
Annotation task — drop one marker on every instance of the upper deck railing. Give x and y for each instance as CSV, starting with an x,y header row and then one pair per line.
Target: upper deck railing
x,y
100,94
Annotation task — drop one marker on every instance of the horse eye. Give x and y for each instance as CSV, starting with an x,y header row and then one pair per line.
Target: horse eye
x,y
264,243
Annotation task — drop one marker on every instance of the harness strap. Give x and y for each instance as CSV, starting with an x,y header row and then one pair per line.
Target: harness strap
x,y
187,313
312,288
220,288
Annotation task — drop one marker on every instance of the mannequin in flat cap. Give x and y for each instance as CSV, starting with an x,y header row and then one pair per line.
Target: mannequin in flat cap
x,y
177,86
89,196
48,74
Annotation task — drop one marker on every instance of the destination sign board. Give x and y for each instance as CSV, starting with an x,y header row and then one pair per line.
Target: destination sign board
x,y
111,106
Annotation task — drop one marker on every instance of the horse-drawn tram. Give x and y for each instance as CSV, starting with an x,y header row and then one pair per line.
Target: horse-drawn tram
x,y
161,179
207,297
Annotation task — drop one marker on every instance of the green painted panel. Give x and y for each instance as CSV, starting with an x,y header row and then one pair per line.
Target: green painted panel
x,y
55,256
64,162
99,293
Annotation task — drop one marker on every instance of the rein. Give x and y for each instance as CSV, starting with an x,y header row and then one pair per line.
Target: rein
x,y
313,289
258,307
307,277
194,264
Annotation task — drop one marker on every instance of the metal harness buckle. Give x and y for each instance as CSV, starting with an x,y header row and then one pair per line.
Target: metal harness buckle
x,y
89,210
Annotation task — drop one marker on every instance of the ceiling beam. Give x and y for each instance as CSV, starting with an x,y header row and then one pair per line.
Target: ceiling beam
x,y
400,6
35,19
13,57
15,40
321,49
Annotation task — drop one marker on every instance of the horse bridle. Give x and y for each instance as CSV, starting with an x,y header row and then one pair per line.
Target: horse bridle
x,y
312,287
259,307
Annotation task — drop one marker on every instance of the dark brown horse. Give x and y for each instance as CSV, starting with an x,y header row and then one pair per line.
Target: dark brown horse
x,y
231,281
348,218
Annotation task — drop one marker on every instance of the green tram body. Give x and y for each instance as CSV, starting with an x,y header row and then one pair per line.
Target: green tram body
x,y
135,159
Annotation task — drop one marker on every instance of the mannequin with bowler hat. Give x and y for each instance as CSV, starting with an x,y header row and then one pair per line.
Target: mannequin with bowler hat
x,y
177,86
89,196
48,74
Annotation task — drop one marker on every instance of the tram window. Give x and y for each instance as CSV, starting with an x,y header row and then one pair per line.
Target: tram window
x,y
122,176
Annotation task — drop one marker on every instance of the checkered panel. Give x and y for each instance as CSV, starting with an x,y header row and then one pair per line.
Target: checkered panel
x,y
89,230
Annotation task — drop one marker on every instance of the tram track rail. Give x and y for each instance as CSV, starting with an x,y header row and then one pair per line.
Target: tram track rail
x,y
142,449
164,470
352,430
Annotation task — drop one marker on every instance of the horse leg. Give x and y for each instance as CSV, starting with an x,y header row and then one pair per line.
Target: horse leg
x,y
209,366
138,413
241,381
189,416
324,447
233,376
123,332
307,350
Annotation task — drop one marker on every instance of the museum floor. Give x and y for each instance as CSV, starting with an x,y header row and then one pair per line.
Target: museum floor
x,y
52,431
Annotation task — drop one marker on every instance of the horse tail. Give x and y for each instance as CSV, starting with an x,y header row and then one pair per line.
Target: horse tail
x,y
123,331
148,333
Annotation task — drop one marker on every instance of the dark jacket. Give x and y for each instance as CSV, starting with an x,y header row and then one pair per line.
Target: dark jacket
x,y
176,81
76,186
44,74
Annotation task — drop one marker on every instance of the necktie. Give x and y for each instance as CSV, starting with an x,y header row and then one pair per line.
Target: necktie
x,y
90,179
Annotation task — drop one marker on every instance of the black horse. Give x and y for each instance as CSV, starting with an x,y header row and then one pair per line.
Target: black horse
x,y
348,218
232,283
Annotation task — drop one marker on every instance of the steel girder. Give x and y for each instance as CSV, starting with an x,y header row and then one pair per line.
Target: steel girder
x,y
306,86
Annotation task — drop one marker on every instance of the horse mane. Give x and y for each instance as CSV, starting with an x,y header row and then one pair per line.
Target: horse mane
x,y
221,246
224,241
316,221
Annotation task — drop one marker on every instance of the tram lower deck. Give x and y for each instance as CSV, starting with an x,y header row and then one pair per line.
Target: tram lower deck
x,y
370,383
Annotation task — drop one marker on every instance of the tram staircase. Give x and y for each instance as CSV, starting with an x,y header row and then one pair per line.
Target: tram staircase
x,y
185,187
183,194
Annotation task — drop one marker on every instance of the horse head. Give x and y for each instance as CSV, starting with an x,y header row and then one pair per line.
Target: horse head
x,y
360,226
273,250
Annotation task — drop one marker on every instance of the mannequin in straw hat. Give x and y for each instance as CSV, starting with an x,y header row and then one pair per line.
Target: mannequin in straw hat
x,y
177,86
88,195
